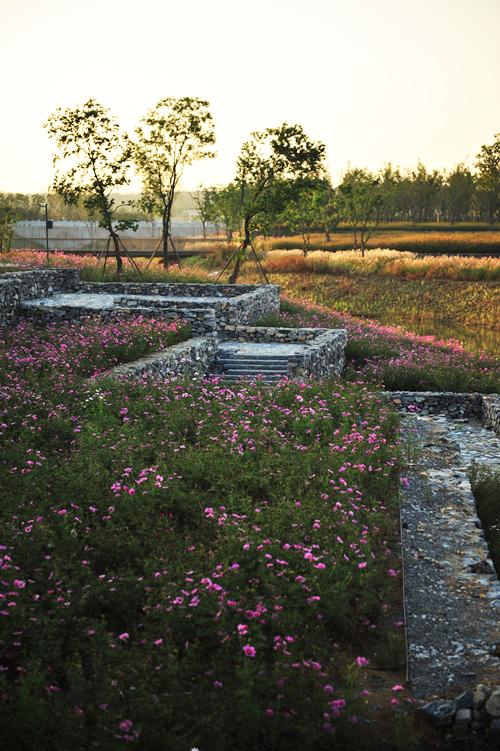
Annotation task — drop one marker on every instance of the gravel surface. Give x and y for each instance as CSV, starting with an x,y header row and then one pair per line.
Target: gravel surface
x,y
452,593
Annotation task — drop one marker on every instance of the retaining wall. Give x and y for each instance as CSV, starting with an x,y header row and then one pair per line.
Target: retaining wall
x,y
193,358
322,356
201,320
483,407
18,286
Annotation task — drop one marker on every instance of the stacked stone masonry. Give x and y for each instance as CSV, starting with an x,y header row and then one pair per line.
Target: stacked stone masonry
x,y
16,287
483,407
192,358
220,312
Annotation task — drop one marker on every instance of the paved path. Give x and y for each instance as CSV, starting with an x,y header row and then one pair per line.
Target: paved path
x,y
452,594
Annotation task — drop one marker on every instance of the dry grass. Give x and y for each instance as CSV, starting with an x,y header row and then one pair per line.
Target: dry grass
x,y
411,241
384,263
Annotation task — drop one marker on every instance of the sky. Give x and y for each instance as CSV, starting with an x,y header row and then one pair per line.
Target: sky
x,y
377,81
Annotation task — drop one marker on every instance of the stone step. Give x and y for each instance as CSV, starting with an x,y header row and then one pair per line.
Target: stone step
x,y
249,377
250,360
254,367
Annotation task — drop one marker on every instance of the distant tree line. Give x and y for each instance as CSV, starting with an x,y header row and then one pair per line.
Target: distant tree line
x,y
363,200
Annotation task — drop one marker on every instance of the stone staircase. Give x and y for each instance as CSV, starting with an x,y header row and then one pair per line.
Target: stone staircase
x,y
233,367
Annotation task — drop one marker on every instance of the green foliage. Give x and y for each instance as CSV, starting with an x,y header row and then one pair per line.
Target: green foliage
x,y
488,180
96,158
361,204
174,134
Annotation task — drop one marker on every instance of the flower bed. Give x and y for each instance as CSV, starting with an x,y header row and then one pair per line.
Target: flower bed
x,y
397,359
188,562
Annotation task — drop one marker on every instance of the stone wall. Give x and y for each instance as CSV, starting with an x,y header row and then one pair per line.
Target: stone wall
x,y
435,402
232,332
185,289
483,407
323,357
192,358
491,412
201,320
18,286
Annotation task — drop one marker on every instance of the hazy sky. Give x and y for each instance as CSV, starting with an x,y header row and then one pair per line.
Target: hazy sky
x,y
376,80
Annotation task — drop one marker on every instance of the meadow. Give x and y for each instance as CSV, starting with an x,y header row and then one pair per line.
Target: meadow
x,y
473,304
386,263
421,240
217,567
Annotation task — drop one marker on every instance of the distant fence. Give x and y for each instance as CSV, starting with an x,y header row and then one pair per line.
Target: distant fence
x,y
87,236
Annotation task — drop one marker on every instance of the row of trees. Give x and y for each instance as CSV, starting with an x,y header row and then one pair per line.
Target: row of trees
x,y
280,182
363,200
94,158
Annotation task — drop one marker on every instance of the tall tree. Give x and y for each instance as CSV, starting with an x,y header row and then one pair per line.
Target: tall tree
x,y
8,217
311,207
228,209
361,204
204,200
266,166
458,192
173,135
488,178
96,161
425,193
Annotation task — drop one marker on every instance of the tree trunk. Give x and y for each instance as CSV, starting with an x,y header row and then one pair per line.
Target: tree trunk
x,y
204,230
240,256
166,234
119,262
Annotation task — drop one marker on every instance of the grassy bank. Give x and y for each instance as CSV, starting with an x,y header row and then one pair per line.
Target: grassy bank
x,y
468,303
184,562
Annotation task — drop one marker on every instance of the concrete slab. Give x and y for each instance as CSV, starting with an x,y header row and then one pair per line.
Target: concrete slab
x,y
260,349
95,301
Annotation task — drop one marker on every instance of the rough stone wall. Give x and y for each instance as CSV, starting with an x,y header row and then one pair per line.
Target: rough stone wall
x,y
18,286
201,320
434,402
192,358
185,289
267,334
250,306
323,357
483,407
491,412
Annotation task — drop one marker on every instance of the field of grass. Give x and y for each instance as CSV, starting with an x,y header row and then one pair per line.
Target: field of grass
x,y
429,241
216,568
383,263
376,297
